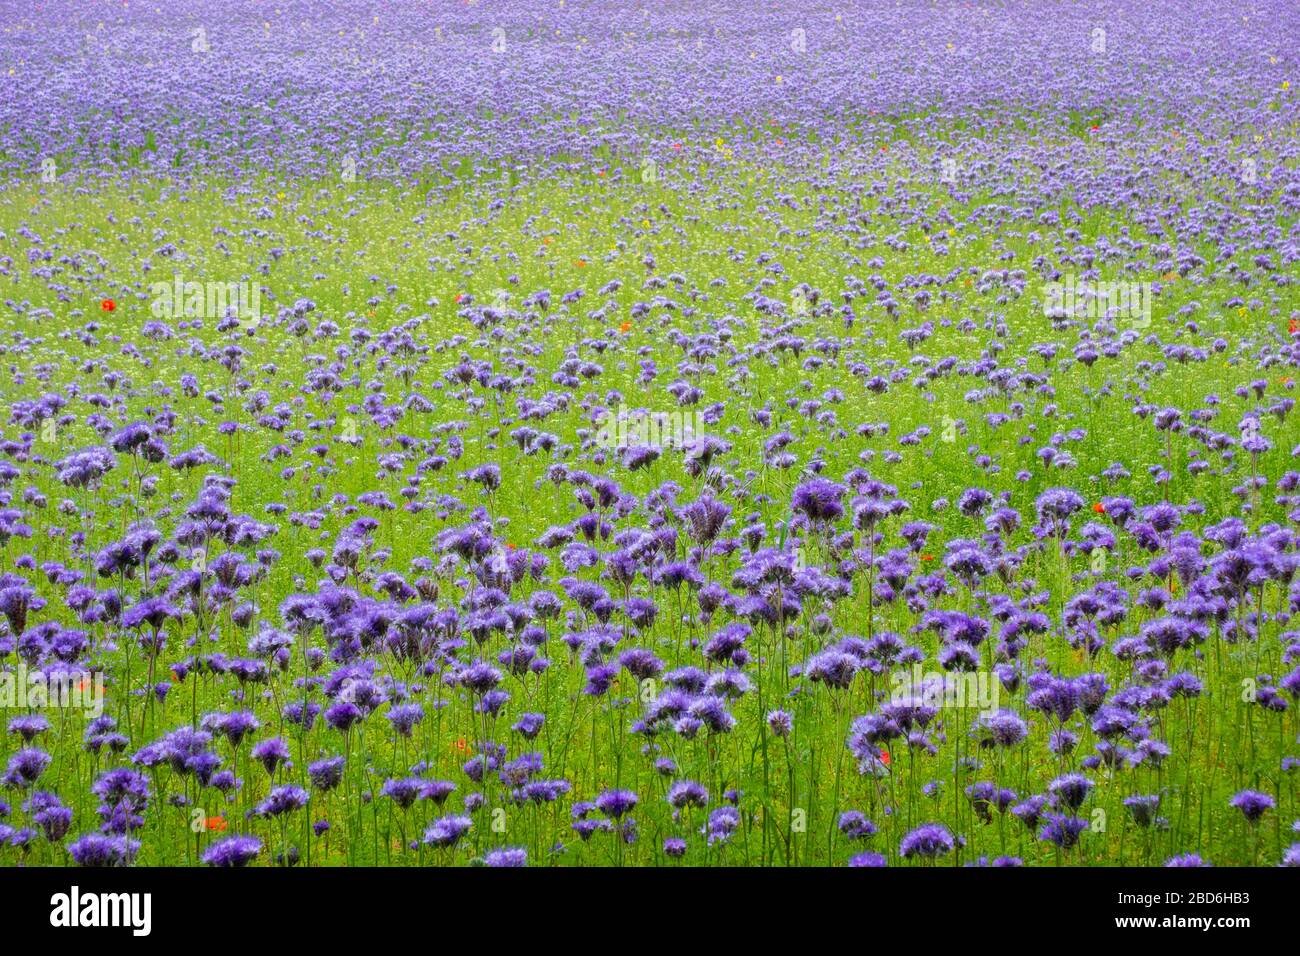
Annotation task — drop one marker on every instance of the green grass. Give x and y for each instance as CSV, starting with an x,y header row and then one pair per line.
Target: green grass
x,y
581,232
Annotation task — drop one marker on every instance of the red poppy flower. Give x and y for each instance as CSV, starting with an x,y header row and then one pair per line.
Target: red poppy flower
x,y
217,824
1099,508
884,757
1295,325
108,305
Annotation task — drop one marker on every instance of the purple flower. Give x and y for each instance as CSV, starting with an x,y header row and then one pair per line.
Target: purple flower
x,y
506,856
271,753
48,813
855,826
29,726
818,500
686,793
780,722
1062,830
1003,728
447,831
479,677
529,725
928,841
1070,790
616,803
722,823
97,849
282,800
152,611
868,859
326,774
404,717
25,768
233,851
1252,804
674,847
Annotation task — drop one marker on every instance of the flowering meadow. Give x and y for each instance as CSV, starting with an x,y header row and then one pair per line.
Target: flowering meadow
x,y
561,432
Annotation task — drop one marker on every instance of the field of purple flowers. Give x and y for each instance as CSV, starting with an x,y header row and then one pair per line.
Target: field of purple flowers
x,y
561,432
